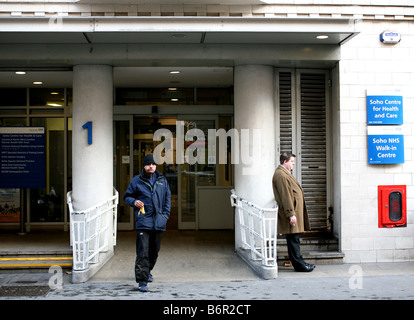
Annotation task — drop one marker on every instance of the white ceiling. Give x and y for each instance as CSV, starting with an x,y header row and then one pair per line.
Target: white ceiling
x,y
146,77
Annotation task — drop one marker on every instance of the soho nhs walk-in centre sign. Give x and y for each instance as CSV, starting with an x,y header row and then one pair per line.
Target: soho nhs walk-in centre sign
x,y
385,144
385,131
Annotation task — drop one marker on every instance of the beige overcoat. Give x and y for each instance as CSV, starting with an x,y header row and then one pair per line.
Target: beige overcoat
x,y
289,196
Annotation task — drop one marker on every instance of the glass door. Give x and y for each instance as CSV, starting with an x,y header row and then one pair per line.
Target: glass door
x,y
194,171
123,168
143,144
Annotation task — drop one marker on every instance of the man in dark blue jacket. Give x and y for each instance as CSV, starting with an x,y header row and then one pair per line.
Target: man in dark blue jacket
x,y
150,196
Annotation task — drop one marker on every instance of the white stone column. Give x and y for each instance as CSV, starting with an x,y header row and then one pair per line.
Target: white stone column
x,y
92,164
254,112
92,169
254,109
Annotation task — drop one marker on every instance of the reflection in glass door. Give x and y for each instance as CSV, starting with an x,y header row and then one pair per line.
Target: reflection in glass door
x,y
123,169
194,175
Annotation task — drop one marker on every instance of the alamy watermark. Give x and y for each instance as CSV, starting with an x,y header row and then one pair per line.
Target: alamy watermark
x,y
356,280
56,280
194,147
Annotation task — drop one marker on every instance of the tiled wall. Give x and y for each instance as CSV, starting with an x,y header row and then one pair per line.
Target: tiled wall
x,y
366,62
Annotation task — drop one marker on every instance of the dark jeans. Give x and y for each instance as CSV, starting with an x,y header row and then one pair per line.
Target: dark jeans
x,y
293,245
147,247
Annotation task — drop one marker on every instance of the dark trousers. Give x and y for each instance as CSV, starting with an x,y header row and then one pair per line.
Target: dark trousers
x,y
147,247
293,245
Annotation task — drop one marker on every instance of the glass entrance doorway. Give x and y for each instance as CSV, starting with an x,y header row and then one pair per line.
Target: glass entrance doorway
x,y
197,174
122,168
133,139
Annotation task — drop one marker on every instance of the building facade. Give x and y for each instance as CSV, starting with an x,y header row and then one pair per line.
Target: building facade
x,y
300,73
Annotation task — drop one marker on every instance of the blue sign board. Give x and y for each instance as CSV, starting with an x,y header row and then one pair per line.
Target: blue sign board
x,y
384,107
385,145
22,157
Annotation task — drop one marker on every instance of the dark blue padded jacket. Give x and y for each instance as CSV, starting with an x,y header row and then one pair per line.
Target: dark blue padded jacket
x,y
156,198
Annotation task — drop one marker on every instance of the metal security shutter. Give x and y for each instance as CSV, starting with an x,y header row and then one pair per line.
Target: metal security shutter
x,y
285,105
313,146
303,131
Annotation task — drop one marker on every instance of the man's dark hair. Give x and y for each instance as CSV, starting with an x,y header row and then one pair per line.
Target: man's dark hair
x,y
285,156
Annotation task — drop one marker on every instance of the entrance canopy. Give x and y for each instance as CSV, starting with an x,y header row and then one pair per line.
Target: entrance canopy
x,y
172,41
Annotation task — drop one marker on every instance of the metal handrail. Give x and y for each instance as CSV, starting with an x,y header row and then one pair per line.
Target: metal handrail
x,y
90,230
258,229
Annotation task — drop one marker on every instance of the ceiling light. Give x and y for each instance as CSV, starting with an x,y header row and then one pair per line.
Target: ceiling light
x,y
37,82
172,89
175,71
54,92
174,99
322,37
20,72
179,36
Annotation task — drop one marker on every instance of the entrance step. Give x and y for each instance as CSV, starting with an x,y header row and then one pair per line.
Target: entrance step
x,y
314,250
34,261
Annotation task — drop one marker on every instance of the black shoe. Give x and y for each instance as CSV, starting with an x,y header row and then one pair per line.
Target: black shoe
x,y
142,286
306,268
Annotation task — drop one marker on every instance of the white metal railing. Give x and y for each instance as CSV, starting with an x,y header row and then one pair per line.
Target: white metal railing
x,y
258,227
90,230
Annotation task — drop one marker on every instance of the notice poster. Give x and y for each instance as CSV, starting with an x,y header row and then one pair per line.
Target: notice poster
x,y
9,205
22,157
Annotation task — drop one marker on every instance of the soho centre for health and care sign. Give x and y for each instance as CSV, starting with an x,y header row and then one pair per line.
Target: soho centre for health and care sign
x,y
385,131
384,107
22,157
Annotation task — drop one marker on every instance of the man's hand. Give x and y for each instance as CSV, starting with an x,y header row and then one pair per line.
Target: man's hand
x,y
138,204
292,220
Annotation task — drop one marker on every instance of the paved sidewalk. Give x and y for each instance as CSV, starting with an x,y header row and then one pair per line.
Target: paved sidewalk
x,y
377,281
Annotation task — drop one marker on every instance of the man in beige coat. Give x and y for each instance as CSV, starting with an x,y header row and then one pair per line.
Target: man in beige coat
x,y
292,214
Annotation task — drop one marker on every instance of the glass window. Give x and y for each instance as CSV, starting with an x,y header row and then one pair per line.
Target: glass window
x,y
47,204
47,97
69,96
174,96
214,96
12,122
13,97
158,96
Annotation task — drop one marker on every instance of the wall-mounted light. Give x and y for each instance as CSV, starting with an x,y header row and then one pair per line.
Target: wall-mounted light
x,y
20,72
37,82
175,71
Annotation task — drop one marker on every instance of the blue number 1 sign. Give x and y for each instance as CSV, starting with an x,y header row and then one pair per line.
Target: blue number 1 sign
x,y
88,125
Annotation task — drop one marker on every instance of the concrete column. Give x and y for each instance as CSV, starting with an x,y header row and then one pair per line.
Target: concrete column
x,y
254,109
92,163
